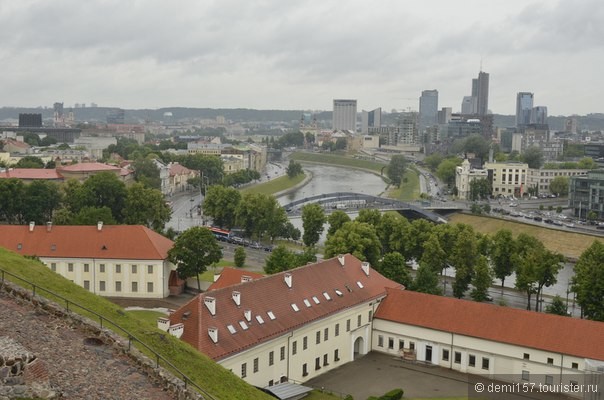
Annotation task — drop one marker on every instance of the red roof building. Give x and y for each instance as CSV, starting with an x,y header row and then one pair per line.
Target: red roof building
x,y
31,174
233,276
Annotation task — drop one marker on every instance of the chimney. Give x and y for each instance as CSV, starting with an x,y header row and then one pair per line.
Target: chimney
x,y
248,315
32,224
213,333
288,279
48,226
341,259
365,267
246,278
210,303
99,226
237,298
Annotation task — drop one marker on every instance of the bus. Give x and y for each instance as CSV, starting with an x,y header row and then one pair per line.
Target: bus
x,y
220,234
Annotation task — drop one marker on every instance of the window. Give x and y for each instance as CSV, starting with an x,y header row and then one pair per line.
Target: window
x,y
134,287
271,358
337,330
549,380
457,359
526,356
118,286
70,267
102,286
304,369
485,363
243,370
445,355
318,337
282,353
347,325
575,365
87,285
294,347
550,360
317,363
411,345
401,344
149,269
380,341
53,267
390,343
86,268
325,360
149,287
134,272
358,320
118,268
305,343
255,364
336,355
326,334
370,315
472,360
101,268
525,375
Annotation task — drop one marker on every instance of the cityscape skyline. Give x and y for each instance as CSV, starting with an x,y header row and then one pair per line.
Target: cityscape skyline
x,y
294,57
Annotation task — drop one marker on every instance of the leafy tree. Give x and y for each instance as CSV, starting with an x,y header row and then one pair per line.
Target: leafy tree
x,y
313,220
259,214
193,251
92,215
393,267
559,186
31,139
463,259
211,166
502,255
30,162
385,229
12,194
482,280
105,190
239,257
434,256
480,189
41,198
146,206
433,161
281,259
294,169
557,307
546,273
587,163
221,204
478,145
588,282
241,177
418,233
370,215
396,169
341,143
49,140
335,220
592,215
446,170
398,238
533,156
426,281
356,238
146,172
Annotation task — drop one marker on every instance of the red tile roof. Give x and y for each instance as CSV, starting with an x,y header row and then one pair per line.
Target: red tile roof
x,y
177,169
89,167
31,173
571,336
232,276
133,242
271,293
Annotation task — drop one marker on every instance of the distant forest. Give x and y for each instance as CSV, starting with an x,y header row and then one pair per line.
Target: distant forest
x,y
182,114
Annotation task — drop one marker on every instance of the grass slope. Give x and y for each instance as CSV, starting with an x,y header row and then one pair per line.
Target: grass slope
x,y
570,244
409,190
219,382
275,185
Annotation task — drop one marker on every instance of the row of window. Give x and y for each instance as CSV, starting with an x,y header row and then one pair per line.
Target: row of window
x,y
550,360
118,268
118,286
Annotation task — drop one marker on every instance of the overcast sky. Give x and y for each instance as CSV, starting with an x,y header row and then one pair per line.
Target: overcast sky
x,y
281,54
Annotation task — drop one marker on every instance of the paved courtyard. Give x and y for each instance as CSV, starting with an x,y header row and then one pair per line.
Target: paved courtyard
x,y
376,373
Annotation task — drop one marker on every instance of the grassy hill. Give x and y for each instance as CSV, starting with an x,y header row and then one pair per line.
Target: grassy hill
x,y
219,382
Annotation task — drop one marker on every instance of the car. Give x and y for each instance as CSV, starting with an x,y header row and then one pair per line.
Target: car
x,y
538,219
255,245
268,248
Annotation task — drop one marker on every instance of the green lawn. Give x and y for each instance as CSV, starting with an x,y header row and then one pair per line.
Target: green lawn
x,y
147,316
335,159
275,185
409,190
218,381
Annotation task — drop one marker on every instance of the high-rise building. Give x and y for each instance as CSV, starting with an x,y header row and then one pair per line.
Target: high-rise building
x,y
524,108
371,119
444,115
428,108
344,115
468,105
539,115
58,114
480,92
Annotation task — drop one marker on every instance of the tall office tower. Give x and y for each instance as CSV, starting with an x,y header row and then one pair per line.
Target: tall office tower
x,y
524,108
444,115
344,115
371,119
58,114
468,105
428,108
480,92
539,115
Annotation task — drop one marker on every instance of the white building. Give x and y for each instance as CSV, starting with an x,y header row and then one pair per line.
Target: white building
x,y
464,176
508,178
344,115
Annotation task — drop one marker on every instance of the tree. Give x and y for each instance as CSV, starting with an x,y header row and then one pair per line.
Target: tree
x,y
480,189
356,238
146,172
335,220
502,255
393,267
41,198
281,259
239,257
370,215
446,170
526,258
559,186
434,256
426,281
221,204
396,169
259,214
146,206
30,162
483,278
533,156
592,215
90,216
12,194
478,145
588,282
313,221
193,251
105,190
557,307
463,259
417,234
294,169
341,143
546,273
433,161
587,163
